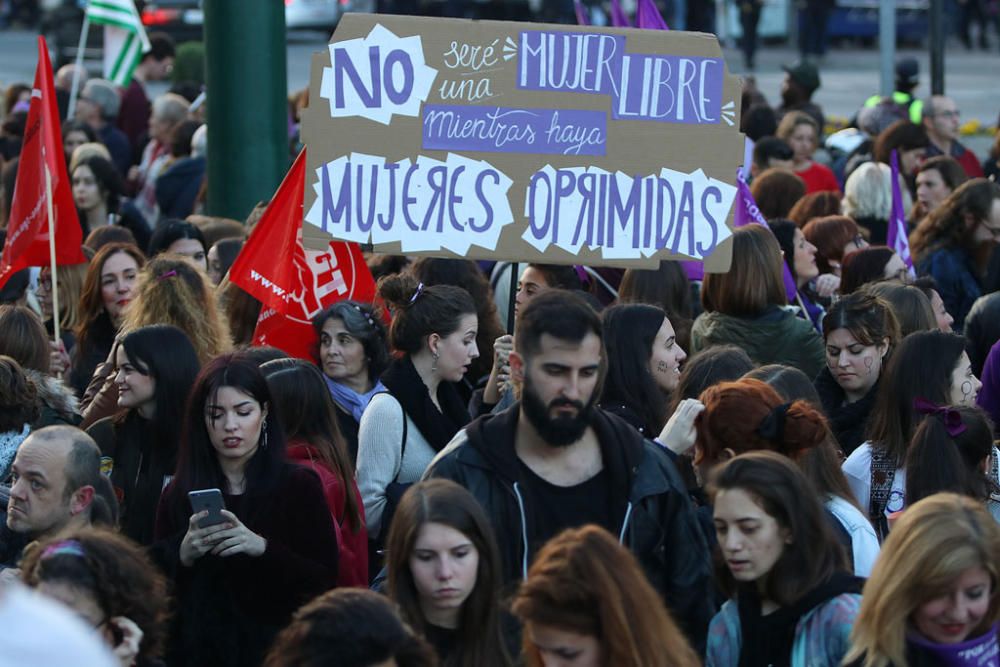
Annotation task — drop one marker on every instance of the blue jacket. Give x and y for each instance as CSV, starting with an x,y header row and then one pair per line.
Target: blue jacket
x,y
957,284
821,635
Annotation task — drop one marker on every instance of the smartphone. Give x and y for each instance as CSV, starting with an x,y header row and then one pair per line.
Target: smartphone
x,y
211,500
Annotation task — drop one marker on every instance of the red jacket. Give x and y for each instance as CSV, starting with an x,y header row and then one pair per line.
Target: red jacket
x,y
353,569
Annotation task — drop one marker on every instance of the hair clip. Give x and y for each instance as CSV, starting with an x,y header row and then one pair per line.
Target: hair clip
x,y
418,292
168,274
366,315
63,548
772,428
950,417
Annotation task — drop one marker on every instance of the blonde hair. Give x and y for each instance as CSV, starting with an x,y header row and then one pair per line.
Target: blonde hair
x,y
933,543
868,192
172,291
88,150
69,278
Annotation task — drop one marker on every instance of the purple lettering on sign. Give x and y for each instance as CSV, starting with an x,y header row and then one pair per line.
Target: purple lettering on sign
x,y
571,62
660,88
670,89
506,130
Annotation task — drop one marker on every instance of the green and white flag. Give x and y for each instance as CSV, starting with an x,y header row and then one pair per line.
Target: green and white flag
x,y
125,37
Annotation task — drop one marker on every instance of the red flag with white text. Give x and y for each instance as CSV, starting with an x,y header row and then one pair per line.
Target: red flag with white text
x,y
292,283
41,150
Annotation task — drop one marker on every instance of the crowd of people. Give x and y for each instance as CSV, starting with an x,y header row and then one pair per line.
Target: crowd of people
x,y
643,470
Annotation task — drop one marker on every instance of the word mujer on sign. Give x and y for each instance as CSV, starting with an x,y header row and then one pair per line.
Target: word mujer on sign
x,y
651,87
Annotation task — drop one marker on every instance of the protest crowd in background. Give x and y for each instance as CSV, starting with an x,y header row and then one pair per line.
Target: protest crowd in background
x,y
791,463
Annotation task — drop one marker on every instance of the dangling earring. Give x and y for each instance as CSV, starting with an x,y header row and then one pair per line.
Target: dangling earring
x,y
434,366
263,428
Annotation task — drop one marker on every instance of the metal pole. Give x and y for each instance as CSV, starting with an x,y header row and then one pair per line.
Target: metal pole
x,y
887,45
936,20
81,45
246,77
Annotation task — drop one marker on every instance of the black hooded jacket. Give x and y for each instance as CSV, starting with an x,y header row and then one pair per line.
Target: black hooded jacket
x,y
655,518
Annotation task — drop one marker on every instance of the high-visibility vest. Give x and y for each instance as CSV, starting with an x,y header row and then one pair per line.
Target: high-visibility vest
x,y
915,106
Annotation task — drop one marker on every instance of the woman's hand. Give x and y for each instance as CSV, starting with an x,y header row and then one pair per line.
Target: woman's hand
x,y
126,650
237,539
500,373
679,434
58,359
199,541
827,285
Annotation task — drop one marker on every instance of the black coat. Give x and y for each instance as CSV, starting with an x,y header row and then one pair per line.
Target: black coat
x,y
228,610
848,421
658,523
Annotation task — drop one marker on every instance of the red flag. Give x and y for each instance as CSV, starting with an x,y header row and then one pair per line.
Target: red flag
x,y
293,283
28,228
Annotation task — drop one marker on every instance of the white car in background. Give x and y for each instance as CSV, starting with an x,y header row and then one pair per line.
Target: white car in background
x,y
322,13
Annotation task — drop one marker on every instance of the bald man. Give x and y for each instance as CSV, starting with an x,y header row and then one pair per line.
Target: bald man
x,y
57,484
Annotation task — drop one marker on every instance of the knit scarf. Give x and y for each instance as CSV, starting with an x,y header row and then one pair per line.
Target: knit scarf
x,y
437,426
351,400
9,442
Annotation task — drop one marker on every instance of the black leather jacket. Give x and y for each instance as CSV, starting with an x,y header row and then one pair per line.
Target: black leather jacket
x,y
657,522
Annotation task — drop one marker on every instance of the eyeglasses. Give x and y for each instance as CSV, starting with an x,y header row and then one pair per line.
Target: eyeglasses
x,y
859,241
950,113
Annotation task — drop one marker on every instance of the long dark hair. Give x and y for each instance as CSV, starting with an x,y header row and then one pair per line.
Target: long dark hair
x,y
479,640
921,367
938,461
165,353
197,463
303,405
629,332
813,554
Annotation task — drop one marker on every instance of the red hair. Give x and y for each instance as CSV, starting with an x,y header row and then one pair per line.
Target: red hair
x,y
734,412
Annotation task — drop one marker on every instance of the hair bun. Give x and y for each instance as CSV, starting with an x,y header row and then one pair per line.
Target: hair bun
x,y
398,289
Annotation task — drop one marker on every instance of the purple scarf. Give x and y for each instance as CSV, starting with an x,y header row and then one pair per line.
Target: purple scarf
x,y
982,651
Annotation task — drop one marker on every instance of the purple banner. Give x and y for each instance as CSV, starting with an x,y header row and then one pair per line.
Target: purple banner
x,y
896,237
506,130
571,62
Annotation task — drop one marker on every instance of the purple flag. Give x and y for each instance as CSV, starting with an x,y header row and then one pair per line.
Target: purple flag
x,y
618,17
581,13
648,16
896,237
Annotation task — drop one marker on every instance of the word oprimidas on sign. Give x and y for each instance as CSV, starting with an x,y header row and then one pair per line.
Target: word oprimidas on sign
x,y
522,142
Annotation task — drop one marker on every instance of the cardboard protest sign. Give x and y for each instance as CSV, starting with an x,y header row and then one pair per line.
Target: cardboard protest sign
x,y
524,142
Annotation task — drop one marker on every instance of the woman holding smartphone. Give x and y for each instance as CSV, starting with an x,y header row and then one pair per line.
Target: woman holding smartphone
x,y
238,582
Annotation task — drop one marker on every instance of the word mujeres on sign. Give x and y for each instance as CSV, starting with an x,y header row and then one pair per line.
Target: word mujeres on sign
x,y
458,203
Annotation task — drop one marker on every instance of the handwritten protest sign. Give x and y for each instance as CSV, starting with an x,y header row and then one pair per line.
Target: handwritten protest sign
x,y
526,142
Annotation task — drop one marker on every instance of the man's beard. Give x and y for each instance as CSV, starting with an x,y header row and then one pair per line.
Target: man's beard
x,y
560,431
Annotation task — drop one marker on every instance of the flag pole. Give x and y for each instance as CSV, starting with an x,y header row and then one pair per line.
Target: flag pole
x,y
52,250
84,29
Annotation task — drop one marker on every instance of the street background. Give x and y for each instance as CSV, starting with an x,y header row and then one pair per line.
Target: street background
x,y
849,76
